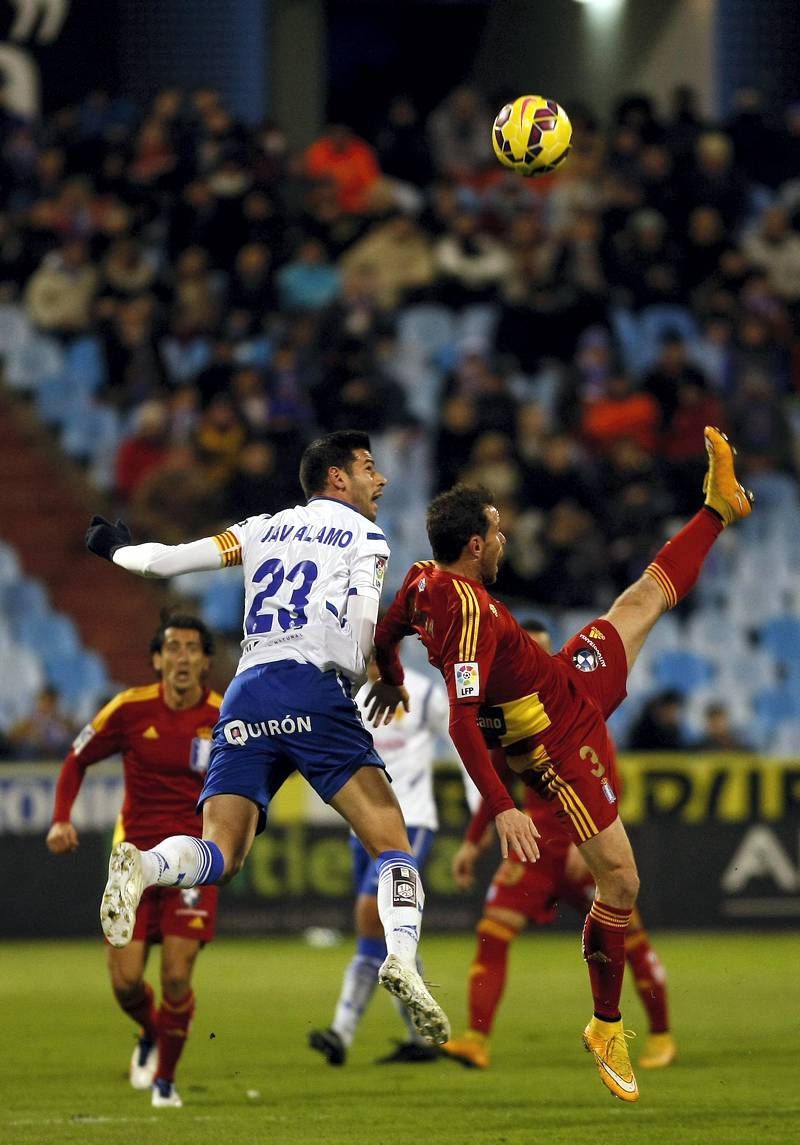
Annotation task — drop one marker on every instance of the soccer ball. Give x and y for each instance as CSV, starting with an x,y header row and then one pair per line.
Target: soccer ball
x,y
532,135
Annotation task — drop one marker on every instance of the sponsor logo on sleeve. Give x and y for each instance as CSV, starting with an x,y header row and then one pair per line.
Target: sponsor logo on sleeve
x,y
380,571
596,634
82,738
585,660
468,680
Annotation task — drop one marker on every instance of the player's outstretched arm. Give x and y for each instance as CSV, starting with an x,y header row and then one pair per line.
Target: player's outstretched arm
x,y
114,543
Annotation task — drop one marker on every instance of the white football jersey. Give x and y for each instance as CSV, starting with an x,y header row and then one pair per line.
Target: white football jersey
x,y
408,746
300,567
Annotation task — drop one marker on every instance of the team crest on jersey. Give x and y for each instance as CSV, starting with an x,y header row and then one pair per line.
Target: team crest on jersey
x,y
585,660
608,791
492,609
468,680
82,738
421,584
190,897
199,753
380,571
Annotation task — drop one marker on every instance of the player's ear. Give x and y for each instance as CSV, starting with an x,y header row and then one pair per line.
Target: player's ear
x,y
157,662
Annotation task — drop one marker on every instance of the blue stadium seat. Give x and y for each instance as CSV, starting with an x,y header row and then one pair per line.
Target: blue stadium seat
x,y
780,636
682,670
24,597
76,675
52,635
427,326
772,707
85,364
28,363
10,568
222,604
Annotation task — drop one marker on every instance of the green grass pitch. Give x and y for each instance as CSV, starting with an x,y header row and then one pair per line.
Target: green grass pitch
x,y
247,1076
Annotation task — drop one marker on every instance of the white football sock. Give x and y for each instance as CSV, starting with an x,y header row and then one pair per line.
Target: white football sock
x,y
400,903
358,986
179,861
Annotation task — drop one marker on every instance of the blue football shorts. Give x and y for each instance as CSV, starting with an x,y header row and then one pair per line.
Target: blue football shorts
x,y
365,877
283,717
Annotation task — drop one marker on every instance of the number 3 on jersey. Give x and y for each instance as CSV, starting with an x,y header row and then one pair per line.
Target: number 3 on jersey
x,y
273,575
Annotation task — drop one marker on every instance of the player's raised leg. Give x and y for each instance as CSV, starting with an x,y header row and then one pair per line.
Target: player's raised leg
x,y
674,571
229,825
368,804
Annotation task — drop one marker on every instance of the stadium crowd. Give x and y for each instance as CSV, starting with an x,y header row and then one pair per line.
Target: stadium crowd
x,y
241,296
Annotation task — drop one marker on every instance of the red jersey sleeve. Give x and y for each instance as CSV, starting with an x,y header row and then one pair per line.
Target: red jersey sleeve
x,y
483,816
391,630
99,739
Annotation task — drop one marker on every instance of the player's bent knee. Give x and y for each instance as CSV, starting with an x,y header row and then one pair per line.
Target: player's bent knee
x,y
175,986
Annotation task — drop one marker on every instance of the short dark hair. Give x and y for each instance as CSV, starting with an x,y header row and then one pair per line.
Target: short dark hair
x,y
182,620
455,516
333,449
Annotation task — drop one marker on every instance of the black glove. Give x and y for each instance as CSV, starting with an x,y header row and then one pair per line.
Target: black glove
x,y
103,538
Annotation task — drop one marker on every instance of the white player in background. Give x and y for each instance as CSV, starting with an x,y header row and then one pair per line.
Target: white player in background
x,y
408,747
313,576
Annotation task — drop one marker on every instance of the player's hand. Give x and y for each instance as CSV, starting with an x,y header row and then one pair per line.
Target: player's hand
x,y
517,833
61,838
103,539
463,867
383,700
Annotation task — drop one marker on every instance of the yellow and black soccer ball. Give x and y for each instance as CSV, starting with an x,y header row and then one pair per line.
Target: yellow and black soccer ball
x,y
532,135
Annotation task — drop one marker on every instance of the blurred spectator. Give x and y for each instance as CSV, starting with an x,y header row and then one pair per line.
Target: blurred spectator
x,y
659,726
127,269
718,731
58,296
671,370
458,430
470,262
250,290
774,246
176,500
143,449
219,437
401,143
134,369
623,411
714,181
252,488
400,256
573,572
644,262
46,733
348,162
308,281
459,134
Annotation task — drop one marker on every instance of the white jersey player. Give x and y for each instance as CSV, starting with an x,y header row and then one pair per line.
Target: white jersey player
x,y
408,747
313,578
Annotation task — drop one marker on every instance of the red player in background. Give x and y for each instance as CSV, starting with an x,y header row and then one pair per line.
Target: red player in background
x,y
163,732
524,892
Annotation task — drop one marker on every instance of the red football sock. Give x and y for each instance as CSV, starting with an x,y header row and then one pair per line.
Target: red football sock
x,y
487,975
648,974
604,953
677,566
175,1018
143,1011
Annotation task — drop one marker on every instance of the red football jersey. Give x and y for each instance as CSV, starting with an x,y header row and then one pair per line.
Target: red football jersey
x,y
520,697
164,758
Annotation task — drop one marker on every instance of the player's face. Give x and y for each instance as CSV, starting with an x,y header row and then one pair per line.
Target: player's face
x,y
493,546
363,485
182,662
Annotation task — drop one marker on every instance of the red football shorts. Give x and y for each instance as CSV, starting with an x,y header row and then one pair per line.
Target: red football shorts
x,y
190,913
582,783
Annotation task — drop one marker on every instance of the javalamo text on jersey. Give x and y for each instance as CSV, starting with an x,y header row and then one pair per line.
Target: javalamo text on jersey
x,y
301,565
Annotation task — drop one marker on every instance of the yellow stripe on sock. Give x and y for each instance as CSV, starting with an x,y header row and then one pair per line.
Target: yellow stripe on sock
x,y
664,583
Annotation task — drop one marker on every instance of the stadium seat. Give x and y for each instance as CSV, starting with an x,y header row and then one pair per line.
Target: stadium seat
x,y
28,363
426,326
222,604
85,363
23,598
14,327
773,706
10,568
52,635
681,670
477,323
780,636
